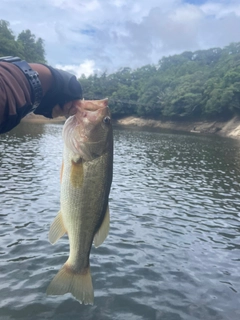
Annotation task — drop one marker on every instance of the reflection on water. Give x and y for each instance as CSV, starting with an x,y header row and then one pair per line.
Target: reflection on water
x,y
174,244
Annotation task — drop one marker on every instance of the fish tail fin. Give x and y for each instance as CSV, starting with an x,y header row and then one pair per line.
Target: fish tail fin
x,y
78,284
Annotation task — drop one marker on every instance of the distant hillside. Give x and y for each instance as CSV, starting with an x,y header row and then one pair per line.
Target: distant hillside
x,y
191,85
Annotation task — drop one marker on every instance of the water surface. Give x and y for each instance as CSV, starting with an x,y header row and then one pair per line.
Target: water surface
x,y
173,251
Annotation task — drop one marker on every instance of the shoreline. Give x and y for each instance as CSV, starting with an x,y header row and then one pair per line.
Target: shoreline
x,y
230,128
33,118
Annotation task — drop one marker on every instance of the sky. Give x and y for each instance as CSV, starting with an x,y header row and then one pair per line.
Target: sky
x,y
88,36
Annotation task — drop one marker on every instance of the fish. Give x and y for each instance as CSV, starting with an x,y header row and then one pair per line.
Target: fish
x,y
86,177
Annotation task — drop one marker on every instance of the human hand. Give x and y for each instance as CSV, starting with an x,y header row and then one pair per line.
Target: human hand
x,y
62,86
69,109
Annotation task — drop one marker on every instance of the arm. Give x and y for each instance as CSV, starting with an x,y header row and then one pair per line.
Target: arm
x,y
60,92
45,76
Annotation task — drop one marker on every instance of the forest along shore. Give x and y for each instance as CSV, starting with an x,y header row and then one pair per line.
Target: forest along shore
x,y
230,128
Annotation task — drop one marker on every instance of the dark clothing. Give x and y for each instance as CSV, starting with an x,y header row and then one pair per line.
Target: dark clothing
x,y
66,88
15,94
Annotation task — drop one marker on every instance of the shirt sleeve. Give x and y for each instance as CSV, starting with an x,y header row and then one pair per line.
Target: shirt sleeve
x,y
15,96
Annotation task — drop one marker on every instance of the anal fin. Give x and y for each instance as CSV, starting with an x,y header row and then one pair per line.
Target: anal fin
x,y
57,229
102,232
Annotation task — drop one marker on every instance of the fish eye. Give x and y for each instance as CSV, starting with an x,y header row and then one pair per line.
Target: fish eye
x,y
107,120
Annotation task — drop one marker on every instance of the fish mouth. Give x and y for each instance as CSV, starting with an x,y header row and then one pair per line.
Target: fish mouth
x,y
91,105
87,128
93,110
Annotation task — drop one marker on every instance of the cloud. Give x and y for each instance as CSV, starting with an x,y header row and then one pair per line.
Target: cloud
x,y
107,35
219,10
180,27
87,68
76,6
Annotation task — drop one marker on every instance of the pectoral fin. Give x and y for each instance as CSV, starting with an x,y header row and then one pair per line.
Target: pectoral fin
x,y
57,229
102,232
76,176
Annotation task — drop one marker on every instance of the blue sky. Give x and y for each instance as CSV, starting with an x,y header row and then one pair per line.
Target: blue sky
x,y
84,36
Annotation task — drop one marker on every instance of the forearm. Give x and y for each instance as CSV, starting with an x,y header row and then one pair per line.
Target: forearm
x,y
45,76
17,96
64,89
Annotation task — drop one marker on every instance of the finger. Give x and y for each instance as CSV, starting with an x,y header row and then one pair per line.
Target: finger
x,y
69,109
57,111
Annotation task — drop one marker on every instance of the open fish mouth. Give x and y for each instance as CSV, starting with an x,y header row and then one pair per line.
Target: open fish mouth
x,y
92,105
88,126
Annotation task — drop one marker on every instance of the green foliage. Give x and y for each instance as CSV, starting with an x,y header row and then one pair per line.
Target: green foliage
x,y
26,46
7,40
200,84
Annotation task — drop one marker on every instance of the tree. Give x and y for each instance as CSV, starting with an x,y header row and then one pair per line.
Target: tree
x,y
204,83
26,46
8,45
33,49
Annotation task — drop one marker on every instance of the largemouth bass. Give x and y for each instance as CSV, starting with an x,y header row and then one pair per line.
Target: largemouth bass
x,y
86,178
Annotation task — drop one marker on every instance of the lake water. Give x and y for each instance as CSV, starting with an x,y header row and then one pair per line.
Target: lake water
x,y
173,251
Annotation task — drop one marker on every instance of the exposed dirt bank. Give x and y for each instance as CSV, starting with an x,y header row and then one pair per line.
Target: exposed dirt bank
x,y
40,119
229,128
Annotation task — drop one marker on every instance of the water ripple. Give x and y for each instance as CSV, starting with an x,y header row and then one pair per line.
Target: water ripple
x,y
173,248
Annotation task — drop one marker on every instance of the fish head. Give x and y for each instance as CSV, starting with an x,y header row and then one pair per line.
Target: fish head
x,y
88,133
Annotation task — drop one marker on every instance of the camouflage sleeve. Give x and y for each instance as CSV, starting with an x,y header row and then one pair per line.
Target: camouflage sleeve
x,y
15,96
